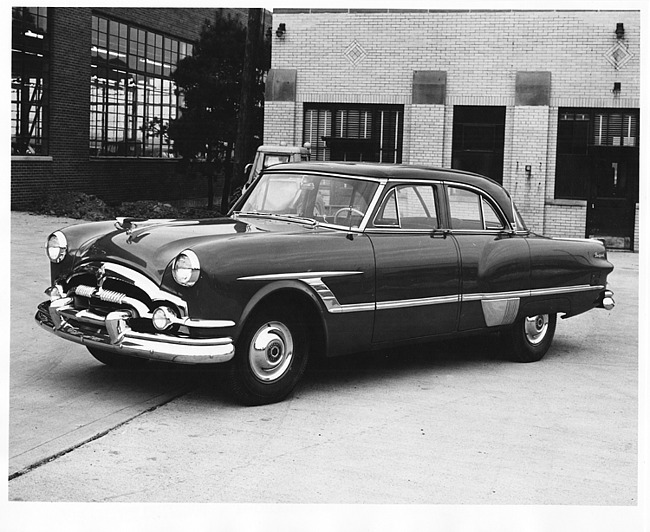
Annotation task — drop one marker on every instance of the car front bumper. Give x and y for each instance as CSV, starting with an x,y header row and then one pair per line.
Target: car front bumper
x,y
112,333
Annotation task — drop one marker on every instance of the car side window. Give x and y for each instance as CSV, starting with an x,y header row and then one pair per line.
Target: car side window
x,y
490,217
408,207
470,210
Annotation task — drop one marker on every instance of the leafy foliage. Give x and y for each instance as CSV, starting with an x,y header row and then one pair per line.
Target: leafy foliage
x,y
210,83
83,206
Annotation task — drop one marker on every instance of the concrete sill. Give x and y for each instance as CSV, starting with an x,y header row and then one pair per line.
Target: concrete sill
x,y
567,202
35,158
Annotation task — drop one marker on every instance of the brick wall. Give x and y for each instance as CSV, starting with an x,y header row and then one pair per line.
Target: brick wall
x,y
68,166
425,135
528,189
357,56
565,220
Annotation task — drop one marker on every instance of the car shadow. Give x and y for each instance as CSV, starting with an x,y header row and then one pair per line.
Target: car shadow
x,y
412,360
401,362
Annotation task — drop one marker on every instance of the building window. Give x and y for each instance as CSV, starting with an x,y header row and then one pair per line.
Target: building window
x,y
340,132
132,96
479,139
586,138
29,61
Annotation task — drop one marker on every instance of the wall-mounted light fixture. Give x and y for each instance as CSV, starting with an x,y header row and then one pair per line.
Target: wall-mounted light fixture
x,y
282,29
529,170
617,88
620,30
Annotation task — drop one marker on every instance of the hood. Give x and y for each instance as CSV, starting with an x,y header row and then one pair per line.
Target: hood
x,y
149,246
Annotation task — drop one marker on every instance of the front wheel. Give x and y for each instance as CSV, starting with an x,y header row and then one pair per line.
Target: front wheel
x,y
530,337
270,357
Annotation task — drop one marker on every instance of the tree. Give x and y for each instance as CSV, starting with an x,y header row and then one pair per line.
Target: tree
x,y
210,83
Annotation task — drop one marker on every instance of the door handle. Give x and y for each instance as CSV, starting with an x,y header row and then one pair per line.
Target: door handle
x,y
443,232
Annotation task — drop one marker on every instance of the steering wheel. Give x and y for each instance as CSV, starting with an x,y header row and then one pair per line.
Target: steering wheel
x,y
351,210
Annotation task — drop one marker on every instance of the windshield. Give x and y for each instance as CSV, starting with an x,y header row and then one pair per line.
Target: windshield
x,y
332,200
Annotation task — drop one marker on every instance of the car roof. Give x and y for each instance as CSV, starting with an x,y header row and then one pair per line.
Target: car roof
x,y
398,172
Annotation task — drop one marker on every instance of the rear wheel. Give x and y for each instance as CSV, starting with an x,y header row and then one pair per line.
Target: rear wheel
x,y
270,357
116,360
530,337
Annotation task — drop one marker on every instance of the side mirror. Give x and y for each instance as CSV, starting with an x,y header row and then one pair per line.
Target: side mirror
x,y
247,169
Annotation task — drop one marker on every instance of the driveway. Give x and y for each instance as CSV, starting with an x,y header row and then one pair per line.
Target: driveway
x,y
448,423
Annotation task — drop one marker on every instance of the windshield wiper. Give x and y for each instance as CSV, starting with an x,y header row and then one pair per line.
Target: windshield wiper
x,y
288,217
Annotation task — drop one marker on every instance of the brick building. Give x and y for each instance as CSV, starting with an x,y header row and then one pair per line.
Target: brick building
x,y
546,102
90,87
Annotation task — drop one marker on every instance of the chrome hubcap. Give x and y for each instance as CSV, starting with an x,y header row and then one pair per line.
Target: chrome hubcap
x,y
535,328
271,351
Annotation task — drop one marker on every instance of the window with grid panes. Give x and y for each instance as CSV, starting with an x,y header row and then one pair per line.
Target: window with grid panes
x,y
586,135
29,57
132,95
350,132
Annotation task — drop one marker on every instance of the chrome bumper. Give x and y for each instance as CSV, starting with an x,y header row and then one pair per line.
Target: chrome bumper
x,y
607,300
112,333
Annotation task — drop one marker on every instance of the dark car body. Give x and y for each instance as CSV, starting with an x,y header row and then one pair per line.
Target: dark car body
x,y
320,258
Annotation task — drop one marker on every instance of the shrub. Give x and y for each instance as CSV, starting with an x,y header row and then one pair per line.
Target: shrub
x,y
88,207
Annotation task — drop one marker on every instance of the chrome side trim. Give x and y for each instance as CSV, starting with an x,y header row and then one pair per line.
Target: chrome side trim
x,y
420,302
329,299
500,308
298,276
531,293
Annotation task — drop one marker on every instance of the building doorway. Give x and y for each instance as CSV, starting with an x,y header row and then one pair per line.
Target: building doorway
x,y
598,161
478,140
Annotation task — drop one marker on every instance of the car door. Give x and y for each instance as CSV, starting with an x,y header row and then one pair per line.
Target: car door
x,y
495,271
417,266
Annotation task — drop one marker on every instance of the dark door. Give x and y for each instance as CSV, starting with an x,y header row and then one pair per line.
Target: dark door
x,y
478,140
613,195
417,267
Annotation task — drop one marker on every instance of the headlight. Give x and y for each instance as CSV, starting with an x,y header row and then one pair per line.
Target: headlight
x,y
186,268
57,246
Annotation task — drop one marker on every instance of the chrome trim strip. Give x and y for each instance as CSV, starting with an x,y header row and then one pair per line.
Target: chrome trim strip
x,y
495,295
297,276
531,293
329,299
425,301
371,207
206,324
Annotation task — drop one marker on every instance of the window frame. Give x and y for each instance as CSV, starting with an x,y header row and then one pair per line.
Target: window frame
x,y
391,190
329,128
30,47
572,154
484,198
132,95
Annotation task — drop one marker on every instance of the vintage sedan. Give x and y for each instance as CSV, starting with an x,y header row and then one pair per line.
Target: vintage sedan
x,y
319,259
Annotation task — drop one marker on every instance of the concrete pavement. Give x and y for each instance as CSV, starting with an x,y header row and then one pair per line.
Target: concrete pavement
x,y
59,395
447,423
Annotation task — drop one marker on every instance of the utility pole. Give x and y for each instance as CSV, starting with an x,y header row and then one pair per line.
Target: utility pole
x,y
244,119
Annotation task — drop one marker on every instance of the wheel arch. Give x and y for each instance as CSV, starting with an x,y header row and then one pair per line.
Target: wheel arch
x,y
296,295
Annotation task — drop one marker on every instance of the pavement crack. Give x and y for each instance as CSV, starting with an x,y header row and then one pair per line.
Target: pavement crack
x,y
97,436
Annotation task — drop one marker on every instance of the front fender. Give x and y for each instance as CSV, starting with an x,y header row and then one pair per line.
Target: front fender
x,y
277,288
